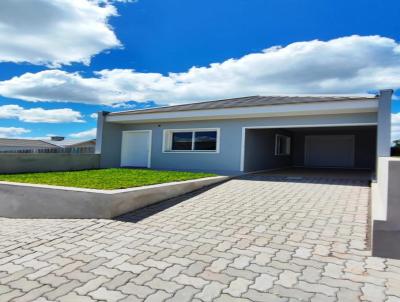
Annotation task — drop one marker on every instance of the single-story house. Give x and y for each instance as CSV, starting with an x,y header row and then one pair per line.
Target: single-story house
x,y
250,134
61,142
23,145
54,144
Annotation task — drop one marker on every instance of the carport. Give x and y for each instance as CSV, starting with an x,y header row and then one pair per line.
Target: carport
x,y
339,147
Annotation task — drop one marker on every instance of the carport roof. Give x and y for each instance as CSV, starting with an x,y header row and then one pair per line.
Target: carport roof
x,y
249,101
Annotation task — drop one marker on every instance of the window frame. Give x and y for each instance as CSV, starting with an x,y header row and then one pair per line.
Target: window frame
x,y
168,134
277,145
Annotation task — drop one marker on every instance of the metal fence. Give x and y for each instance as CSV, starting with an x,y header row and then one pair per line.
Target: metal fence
x,y
71,150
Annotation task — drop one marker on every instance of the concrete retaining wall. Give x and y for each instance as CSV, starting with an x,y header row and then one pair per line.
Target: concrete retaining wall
x,y
44,162
41,201
386,229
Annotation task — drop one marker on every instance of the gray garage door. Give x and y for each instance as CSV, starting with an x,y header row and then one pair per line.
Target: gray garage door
x,y
329,151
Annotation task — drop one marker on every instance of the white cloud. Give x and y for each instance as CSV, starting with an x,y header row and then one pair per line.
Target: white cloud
x,y
352,64
55,32
40,115
12,131
395,126
91,133
93,115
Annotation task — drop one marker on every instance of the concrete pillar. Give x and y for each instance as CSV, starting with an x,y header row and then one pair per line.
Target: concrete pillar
x,y
101,117
384,123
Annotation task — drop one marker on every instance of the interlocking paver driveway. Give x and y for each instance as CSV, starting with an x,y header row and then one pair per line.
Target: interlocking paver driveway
x,y
251,239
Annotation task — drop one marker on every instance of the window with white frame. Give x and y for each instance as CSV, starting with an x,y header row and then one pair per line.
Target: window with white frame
x,y
191,140
282,145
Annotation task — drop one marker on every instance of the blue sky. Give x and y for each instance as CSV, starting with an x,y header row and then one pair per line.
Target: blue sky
x,y
140,43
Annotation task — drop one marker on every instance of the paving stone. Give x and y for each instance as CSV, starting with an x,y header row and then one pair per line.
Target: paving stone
x,y
341,283
195,268
80,276
106,294
262,259
240,273
133,268
73,297
184,294
119,280
146,276
91,285
324,298
372,293
316,288
291,293
168,286
131,298
93,264
238,287
255,295
161,265
68,268
333,270
15,276
171,272
24,284
139,290
241,262
158,296
263,283
211,276
193,281
62,290
44,271
106,272
346,295
311,274
288,279
53,280
33,294
211,291
11,268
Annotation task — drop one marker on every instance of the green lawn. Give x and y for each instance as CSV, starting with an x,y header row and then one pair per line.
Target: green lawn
x,y
107,179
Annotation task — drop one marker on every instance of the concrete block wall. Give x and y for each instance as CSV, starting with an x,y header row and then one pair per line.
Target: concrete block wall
x,y
46,162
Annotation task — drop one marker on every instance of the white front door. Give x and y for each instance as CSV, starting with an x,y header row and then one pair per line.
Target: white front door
x,y
136,148
329,151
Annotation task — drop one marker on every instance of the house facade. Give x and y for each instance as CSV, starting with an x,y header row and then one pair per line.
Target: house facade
x,y
250,134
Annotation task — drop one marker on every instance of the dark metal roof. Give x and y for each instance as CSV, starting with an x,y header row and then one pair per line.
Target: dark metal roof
x,y
66,143
28,143
249,101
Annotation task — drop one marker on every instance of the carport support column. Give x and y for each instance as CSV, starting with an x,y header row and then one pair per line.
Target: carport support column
x,y
383,145
101,119
384,123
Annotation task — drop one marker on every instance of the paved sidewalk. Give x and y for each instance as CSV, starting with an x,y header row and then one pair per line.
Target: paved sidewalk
x,y
253,239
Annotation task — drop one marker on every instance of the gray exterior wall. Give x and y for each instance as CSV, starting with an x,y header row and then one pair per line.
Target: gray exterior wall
x,y
260,150
364,149
111,136
229,157
45,162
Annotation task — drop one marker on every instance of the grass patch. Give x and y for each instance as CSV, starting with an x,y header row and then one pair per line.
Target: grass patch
x,y
105,179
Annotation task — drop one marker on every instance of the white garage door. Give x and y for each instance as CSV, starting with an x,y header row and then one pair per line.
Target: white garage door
x,y
329,151
135,148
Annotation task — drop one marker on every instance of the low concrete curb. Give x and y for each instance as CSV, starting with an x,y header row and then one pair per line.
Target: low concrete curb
x,y
19,200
